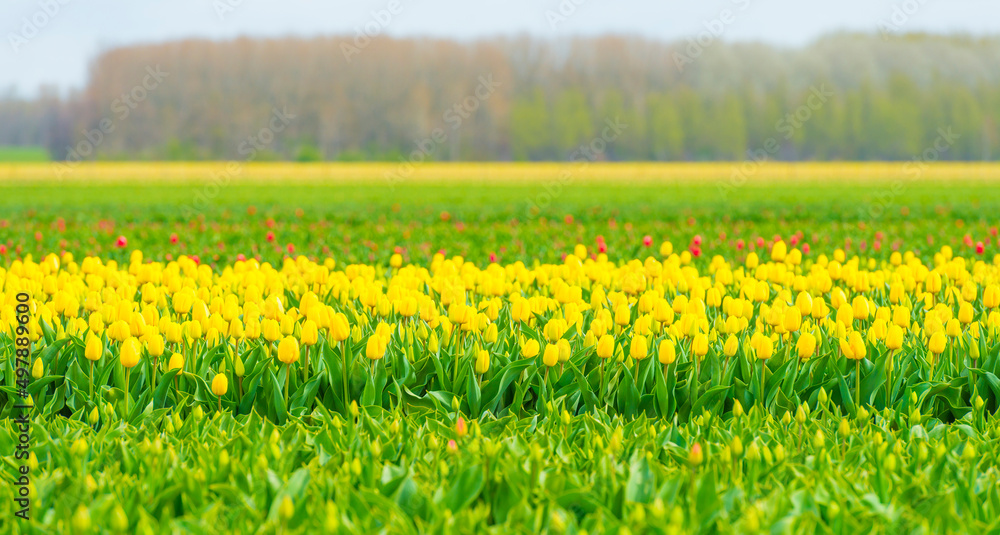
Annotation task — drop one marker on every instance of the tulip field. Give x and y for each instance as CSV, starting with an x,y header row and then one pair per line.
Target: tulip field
x,y
501,349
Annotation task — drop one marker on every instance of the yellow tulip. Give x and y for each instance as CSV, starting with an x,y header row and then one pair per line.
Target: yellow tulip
x,y
94,349
806,346
220,385
530,349
130,352
638,348
606,347
667,353
551,355
288,350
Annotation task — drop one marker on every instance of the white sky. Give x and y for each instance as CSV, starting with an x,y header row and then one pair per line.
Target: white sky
x,y
60,51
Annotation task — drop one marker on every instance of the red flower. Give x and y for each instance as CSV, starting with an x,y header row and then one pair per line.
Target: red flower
x,y
493,257
760,241
240,257
269,237
3,249
121,242
647,240
173,238
290,248
568,219
602,247
805,248
697,239
740,245
980,247
695,251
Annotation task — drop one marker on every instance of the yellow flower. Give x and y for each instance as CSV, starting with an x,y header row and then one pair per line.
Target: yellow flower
x,y
732,346
130,352
778,251
806,346
564,350
38,370
894,337
288,350
374,349
482,362
310,333
991,296
622,315
176,362
792,320
937,343
638,348
530,349
859,308
154,345
551,356
764,347
668,353
340,328
700,344
606,347
94,349
854,346
220,385
271,330
966,313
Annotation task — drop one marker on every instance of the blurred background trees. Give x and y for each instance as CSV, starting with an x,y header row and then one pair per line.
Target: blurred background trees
x,y
886,100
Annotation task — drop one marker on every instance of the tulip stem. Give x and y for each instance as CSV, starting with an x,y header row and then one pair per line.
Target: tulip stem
x,y
92,379
305,363
347,365
127,371
288,376
763,398
857,381
888,380
153,379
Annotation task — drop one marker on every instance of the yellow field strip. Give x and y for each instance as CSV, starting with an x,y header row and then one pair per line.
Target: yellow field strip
x,y
146,172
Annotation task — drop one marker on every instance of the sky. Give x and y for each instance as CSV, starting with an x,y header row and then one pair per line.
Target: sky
x,y
50,42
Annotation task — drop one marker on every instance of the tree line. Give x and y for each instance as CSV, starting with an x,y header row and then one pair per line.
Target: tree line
x,y
843,97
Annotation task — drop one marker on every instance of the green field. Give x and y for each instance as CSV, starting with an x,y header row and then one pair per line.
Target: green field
x,y
430,414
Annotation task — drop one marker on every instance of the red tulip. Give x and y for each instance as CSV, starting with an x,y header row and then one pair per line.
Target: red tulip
x,y
697,239
647,240
121,242
980,247
173,238
269,237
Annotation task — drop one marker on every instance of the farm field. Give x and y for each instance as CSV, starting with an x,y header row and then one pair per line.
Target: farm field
x,y
354,348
